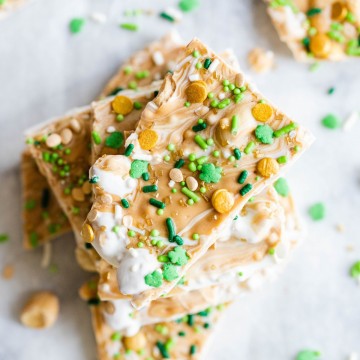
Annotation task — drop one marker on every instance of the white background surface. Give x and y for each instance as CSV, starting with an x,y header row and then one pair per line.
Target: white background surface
x,y
44,71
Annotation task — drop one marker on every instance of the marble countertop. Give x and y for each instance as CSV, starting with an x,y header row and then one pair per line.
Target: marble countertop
x,y
44,71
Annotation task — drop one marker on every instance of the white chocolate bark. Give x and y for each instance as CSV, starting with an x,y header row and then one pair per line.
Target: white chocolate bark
x,y
172,122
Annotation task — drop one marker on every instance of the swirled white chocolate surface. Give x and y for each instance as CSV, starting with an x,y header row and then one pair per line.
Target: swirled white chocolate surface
x,y
184,339
229,271
318,29
237,146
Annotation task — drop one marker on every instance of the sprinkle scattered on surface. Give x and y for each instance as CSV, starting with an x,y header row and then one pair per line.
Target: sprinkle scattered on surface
x,y
308,355
317,211
331,121
4,238
76,25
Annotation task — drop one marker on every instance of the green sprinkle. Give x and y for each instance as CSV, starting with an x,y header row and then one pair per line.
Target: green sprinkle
x,y
242,177
149,188
116,336
199,127
178,239
170,272
216,153
76,25
167,158
180,163
202,160
285,130
201,142
131,233
171,229
271,251
178,256
198,66
129,149
192,167
30,204
238,98
314,67
161,329
140,244
115,140
195,236
282,159
231,158
210,141
94,179
331,90
138,167
75,210
160,212
187,104
192,349
281,186
34,239
355,270
129,26
331,121
189,5
195,54
4,238
264,133
210,173
154,279
96,137
125,203
350,17
207,63
190,194
132,85
249,147
203,189
164,353
157,203
313,11
308,355
119,118
163,258
235,125
145,176
171,147
237,154
317,211
210,95
182,333
245,189
137,105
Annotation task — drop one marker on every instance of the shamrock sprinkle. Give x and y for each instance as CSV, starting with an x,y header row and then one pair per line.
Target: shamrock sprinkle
x,y
178,256
281,186
170,272
308,355
154,279
138,167
264,133
210,173
115,140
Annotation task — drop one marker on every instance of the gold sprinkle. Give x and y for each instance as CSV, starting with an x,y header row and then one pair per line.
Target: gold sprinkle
x,y
267,167
122,105
87,233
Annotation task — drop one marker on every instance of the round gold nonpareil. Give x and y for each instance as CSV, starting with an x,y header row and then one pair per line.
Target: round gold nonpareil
x,y
196,92
87,233
262,112
135,343
338,11
122,105
148,139
222,201
320,45
267,167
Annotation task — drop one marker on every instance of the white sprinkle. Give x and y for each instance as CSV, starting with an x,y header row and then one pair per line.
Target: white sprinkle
x,y
292,134
174,13
171,183
221,95
135,268
98,17
152,106
194,77
136,229
214,65
182,63
118,212
351,121
110,129
127,221
158,58
46,258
